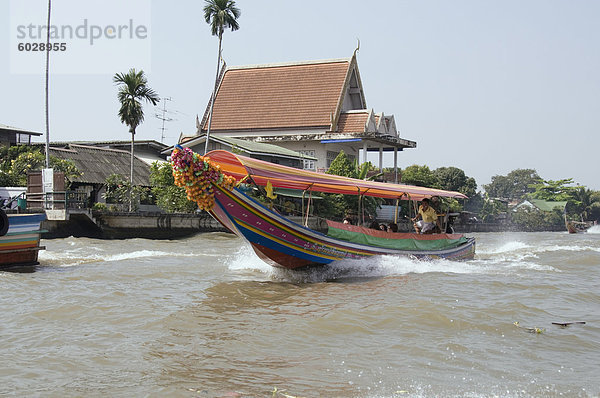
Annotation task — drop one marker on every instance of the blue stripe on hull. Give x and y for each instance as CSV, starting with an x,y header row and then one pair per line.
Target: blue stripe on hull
x,y
248,218
255,238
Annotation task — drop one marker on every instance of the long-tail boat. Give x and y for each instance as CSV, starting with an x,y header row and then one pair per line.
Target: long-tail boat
x,y
20,240
575,227
218,181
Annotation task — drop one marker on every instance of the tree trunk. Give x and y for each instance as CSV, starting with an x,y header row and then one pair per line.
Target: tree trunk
x,y
131,173
214,95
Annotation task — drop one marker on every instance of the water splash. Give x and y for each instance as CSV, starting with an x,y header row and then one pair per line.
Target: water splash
x,y
508,247
594,230
246,261
70,258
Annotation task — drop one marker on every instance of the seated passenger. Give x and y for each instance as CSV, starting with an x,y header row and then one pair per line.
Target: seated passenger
x,y
393,227
374,225
428,218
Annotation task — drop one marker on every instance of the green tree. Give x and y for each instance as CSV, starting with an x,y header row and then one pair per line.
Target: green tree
x,y
220,14
585,203
491,208
455,179
120,191
17,161
421,176
514,186
169,197
554,190
342,166
529,219
133,88
345,204
594,210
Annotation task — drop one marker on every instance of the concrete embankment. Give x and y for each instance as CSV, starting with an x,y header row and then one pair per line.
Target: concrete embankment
x,y
108,225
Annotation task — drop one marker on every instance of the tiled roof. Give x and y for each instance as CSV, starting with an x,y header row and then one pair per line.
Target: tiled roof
x,y
279,96
355,122
97,164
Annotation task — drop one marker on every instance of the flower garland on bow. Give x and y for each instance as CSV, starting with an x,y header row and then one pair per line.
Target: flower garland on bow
x,y
197,174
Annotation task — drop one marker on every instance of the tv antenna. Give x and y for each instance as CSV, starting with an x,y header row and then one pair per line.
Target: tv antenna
x,y
164,117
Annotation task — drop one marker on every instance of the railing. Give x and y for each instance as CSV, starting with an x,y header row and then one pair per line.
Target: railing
x,y
12,202
58,200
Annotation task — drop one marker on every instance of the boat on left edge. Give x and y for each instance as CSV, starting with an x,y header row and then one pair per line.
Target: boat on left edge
x,y
20,241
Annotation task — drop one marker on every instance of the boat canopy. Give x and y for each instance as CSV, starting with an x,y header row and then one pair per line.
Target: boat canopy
x,y
279,176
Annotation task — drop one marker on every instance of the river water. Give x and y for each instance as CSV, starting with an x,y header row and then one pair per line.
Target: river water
x,y
204,317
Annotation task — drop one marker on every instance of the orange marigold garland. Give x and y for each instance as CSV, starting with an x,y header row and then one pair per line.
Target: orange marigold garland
x,y
197,174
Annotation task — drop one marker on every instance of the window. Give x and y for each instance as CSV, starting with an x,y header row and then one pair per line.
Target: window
x,y
309,164
331,155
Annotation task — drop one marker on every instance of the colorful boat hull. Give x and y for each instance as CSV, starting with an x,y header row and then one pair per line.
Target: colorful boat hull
x,y
20,246
284,243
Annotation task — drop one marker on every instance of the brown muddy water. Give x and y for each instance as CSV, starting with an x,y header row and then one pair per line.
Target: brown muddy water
x,y
204,317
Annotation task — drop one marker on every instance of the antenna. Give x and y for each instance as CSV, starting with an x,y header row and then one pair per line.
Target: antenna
x,y
164,117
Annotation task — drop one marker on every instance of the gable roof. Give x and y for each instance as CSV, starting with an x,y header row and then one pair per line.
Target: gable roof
x,y
276,96
96,164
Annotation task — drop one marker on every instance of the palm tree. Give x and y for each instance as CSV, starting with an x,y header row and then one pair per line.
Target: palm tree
x,y
133,87
584,202
220,14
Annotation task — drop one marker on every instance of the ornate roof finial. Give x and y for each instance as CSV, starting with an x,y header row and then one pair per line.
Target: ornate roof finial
x,y
357,47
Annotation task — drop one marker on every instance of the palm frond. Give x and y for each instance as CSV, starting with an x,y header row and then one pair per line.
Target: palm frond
x,y
221,14
133,88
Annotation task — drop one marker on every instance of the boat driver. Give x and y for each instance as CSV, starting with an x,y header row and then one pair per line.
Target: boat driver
x,y
427,218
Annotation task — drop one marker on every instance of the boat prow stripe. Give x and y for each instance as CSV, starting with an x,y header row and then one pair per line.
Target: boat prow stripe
x,y
271,238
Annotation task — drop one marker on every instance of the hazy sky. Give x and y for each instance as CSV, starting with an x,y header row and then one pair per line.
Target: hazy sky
x,y
486,86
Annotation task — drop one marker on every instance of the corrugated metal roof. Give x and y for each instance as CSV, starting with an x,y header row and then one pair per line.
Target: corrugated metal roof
x,y
250,147
545,205
19,130
97,164
114,143
259,147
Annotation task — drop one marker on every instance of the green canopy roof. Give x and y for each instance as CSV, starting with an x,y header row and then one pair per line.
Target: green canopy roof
x,y
545,205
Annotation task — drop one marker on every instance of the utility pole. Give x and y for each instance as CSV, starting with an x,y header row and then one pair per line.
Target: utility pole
x,y
47,87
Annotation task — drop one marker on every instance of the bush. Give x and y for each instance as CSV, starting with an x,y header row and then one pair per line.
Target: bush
x,y
99,206
535,220
169,197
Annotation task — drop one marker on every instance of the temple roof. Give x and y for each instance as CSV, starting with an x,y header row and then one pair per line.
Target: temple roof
x,y
282,96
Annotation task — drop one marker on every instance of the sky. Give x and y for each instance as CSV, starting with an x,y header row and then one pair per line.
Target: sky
x,y
485,86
